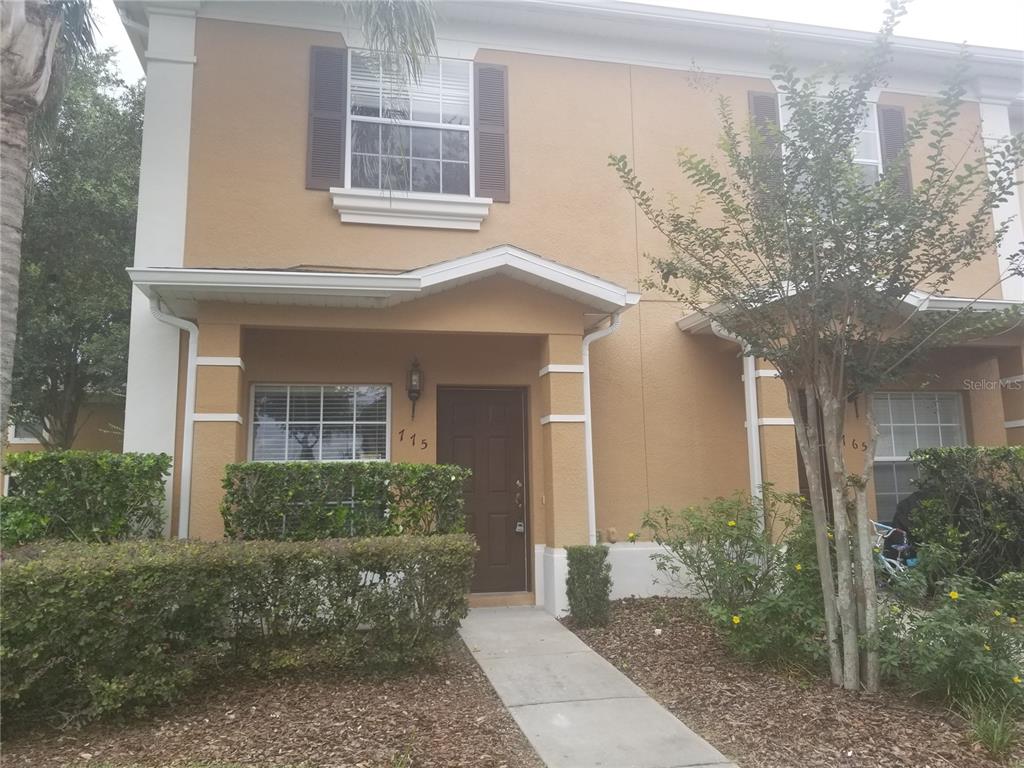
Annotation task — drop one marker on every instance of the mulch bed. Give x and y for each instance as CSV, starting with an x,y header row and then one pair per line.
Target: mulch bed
x,y
764,717
447,716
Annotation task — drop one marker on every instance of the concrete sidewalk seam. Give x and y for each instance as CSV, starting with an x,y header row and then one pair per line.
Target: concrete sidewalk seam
x,y
569,701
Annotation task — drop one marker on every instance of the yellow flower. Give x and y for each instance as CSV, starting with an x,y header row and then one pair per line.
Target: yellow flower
x,y
954,595
735,619
997,613
798,567
1013,619
631,535
731,523
830,537
1015,680
986,647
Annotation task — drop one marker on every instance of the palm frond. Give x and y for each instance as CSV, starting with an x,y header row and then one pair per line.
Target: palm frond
x,y
402,31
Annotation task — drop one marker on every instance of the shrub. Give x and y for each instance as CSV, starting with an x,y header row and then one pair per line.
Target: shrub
x,y
787,623
973,505
956,645
730,548
87,629
83,496
589,584
313,500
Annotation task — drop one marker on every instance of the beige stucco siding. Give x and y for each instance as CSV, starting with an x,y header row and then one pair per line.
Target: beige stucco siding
x,y
669,421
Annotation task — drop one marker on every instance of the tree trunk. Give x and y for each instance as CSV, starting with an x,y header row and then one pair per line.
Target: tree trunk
x,y
866,559
13,173
809,441
832,416
28,32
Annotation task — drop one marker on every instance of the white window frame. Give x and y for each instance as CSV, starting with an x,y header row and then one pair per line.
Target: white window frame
x,y
13,440
961,423
872,120
468,128
289,385
905,458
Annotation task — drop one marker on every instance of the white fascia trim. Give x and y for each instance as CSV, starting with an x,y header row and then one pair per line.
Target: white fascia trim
x,y
1015,424
769,373
217,417
235,362
409,209
932,303
563,418
193,283
509,259
779,421
561,368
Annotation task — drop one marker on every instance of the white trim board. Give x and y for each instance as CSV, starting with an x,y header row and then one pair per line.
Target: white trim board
x,y
563,418
561,368
217,417
221,361
1015,424
776,421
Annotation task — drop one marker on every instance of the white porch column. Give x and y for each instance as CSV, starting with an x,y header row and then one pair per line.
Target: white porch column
x,y
152,393
995,126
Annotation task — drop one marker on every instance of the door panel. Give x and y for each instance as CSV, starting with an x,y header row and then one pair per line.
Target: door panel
x,y
484,430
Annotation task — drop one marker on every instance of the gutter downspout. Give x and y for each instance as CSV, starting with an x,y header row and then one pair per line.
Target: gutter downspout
x,y
185,490
751,412
588,429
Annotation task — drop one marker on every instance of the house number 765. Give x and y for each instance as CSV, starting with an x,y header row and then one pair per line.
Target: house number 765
x,y
422,444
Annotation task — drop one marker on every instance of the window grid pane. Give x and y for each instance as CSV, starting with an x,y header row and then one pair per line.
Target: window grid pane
x,y
320,423
908,421
436,109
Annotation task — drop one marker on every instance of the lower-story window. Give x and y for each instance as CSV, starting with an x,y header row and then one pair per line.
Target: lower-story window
x,y
336,422
908,421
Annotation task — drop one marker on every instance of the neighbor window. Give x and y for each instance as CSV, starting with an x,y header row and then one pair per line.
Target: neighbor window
x,y
410,137
320,423
908,421
867,155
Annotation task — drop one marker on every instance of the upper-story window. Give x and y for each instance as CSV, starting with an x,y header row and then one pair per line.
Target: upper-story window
x,y
867,154
414,136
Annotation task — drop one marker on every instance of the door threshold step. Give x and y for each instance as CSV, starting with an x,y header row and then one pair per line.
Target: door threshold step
x,y
500,599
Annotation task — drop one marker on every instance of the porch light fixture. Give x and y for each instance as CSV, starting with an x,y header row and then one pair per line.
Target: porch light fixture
x,y
414,386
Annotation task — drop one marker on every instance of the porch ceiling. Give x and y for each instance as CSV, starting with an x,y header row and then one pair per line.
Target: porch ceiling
x,y
182,289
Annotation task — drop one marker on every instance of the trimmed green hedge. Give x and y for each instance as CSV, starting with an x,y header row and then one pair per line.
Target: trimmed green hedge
x,y
589,584
91,629
312,500
973,506
83,496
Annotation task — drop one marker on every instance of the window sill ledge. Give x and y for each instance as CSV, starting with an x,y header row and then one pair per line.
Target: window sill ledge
x,y
409,209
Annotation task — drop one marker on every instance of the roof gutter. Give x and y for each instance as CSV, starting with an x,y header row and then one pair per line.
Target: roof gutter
x,y
185,480
588,428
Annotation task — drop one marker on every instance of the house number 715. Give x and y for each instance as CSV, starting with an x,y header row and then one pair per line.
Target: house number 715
x,y
422,444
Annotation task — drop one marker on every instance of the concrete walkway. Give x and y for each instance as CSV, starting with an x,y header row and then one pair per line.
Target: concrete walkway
x,y
577,710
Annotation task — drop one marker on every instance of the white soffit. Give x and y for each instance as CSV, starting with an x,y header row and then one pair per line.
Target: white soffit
x,y
181,289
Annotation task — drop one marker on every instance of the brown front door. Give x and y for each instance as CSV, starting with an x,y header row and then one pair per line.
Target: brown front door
x,y
484,430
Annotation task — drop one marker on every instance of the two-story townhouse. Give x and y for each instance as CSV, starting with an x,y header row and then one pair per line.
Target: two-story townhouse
x,y
329,268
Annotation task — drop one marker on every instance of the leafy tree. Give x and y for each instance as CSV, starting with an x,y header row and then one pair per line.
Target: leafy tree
x,y
791,251
78,239
39,39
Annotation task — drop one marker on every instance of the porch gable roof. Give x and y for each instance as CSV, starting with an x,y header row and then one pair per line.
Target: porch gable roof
x,y
181,288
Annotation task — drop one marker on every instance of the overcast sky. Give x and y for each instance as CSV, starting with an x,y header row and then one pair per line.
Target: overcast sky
x,y
997,23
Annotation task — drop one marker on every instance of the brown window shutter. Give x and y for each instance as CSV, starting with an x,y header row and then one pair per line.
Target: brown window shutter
x,y
893,135
328,87
491,84
764,113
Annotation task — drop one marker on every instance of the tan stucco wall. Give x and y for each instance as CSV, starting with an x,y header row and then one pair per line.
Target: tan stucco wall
x,y
669,422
